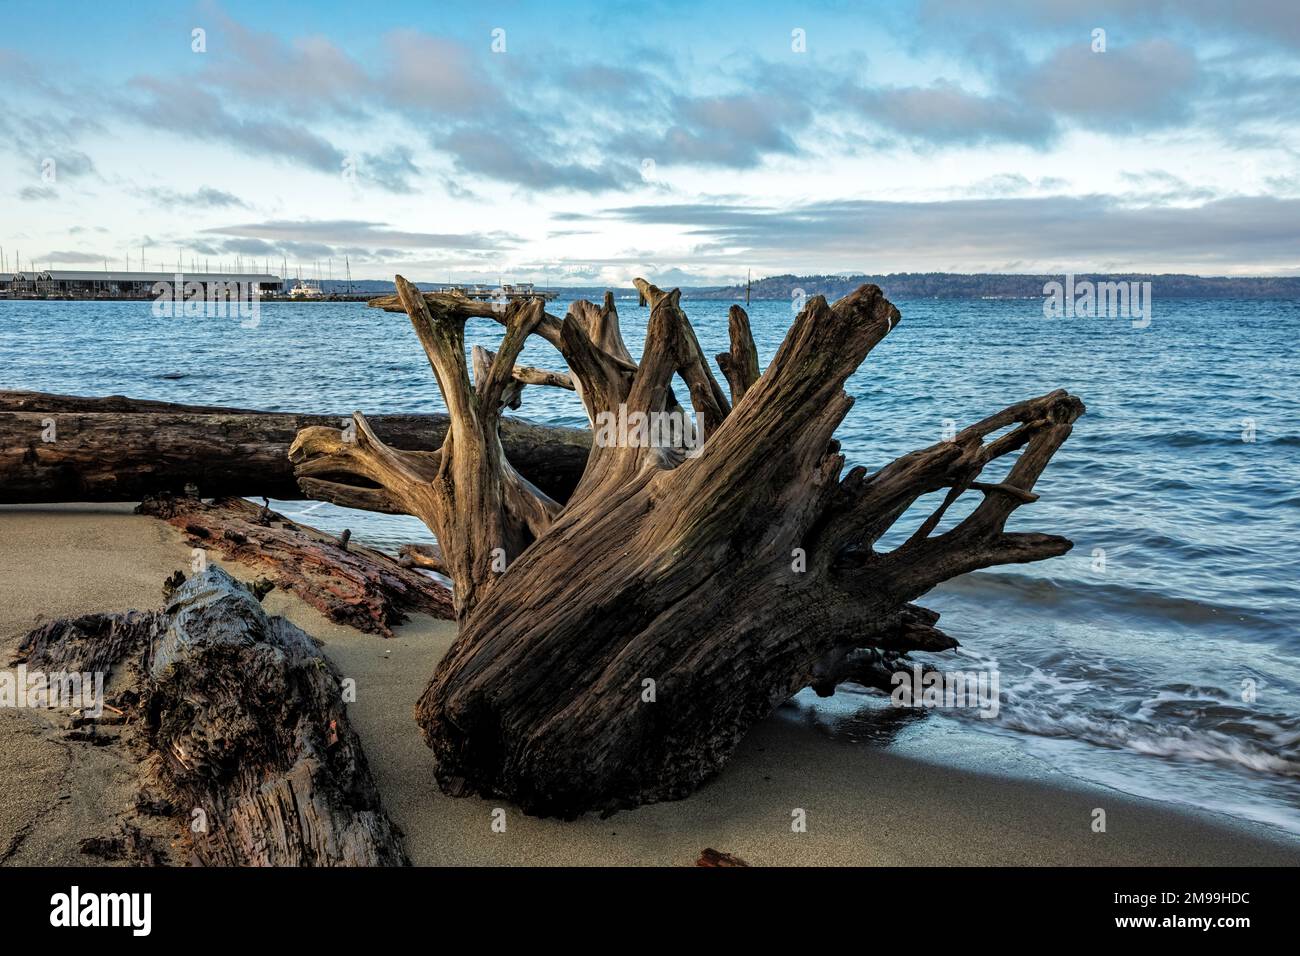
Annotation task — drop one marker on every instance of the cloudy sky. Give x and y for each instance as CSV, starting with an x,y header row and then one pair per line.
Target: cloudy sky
x,y
583,143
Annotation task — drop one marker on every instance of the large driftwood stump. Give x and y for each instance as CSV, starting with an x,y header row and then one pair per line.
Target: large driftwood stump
x,y
724,578
242,725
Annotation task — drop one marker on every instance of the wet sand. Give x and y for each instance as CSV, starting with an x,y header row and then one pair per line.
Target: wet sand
x,y
863,805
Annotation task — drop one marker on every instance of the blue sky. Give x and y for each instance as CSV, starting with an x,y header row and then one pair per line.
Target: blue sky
x,y
583,143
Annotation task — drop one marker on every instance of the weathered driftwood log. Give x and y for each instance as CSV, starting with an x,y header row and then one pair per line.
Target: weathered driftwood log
x,y
614,651
352,585
65,448
241,723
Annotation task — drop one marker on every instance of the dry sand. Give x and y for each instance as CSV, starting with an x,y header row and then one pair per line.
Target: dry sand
x,y
58,560
864,805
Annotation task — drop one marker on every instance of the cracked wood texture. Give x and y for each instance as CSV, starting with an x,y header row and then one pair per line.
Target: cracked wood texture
x,y
352,585
613,650
239,715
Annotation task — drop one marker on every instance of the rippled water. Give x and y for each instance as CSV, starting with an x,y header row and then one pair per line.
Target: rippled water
x,y
1129,672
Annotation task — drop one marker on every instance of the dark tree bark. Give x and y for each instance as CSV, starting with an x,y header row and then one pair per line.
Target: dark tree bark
x,y
350,584
242,720
123,449
615,650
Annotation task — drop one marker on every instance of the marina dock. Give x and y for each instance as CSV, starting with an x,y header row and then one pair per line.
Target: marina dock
x,y
81,285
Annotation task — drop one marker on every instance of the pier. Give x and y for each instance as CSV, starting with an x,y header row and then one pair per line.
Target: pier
x,y
81,285
110,284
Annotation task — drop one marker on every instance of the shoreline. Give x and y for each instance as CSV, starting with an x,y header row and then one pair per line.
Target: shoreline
x,y
865,805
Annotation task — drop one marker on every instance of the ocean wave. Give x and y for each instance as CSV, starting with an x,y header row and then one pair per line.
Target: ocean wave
x,y
1092,597
1172,741
1087,701
1230,437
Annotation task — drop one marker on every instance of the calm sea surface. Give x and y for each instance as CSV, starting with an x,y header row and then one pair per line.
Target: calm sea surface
x,y
1159,657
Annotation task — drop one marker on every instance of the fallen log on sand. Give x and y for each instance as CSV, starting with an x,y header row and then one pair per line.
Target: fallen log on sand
x,y
349,583
614,649
65,448
239,724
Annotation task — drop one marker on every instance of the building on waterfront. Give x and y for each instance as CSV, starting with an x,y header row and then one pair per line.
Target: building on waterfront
x,y
103,284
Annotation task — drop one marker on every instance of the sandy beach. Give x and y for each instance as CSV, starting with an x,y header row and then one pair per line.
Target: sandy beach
x,y
864,805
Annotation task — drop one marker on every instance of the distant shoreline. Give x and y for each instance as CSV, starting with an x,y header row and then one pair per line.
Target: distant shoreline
x,y
943,285
901,286
687,297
